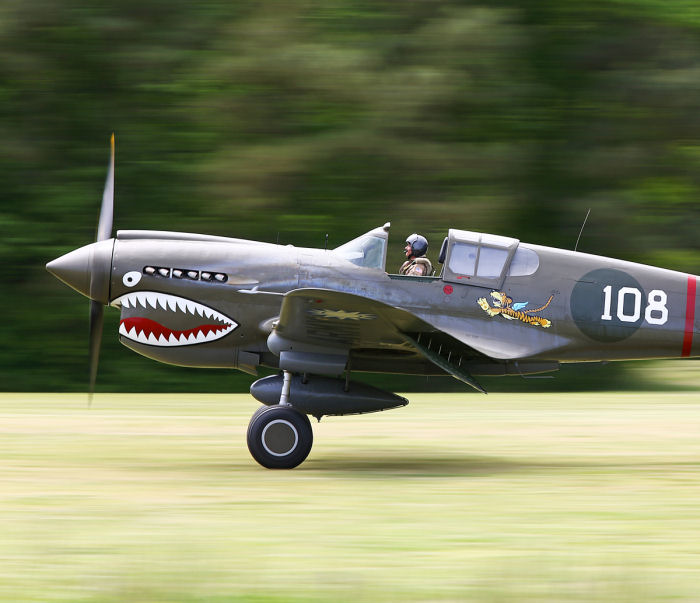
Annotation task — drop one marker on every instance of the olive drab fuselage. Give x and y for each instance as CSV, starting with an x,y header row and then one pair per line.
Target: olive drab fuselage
x,y
566,307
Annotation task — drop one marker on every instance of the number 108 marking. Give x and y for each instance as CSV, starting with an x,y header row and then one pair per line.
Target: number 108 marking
x,y
655,313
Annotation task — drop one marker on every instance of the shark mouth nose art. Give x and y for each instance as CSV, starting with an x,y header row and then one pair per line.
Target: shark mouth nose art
x,y
145,315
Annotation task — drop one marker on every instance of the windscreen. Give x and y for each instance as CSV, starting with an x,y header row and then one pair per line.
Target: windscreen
x,y
366,251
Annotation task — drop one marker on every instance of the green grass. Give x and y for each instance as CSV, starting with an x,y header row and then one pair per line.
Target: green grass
x,y
506,497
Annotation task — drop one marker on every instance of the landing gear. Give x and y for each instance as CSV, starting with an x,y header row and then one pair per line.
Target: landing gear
x,y
279,437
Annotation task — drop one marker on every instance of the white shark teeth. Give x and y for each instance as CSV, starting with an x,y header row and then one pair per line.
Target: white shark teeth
x,y
152,300
170,303
173,340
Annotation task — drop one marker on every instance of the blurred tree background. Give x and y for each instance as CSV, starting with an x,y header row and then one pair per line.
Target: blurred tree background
x,y
290,120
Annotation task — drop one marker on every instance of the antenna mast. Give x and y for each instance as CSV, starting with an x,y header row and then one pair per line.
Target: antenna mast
x,y
581,231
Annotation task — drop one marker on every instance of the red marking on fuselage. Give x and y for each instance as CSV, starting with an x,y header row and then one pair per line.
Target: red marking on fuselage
x,y
149,327
448,289
689,317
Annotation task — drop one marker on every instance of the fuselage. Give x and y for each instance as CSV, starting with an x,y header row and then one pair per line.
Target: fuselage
x,y
198,300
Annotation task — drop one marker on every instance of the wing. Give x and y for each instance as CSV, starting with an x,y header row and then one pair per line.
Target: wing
x,y
519,305
333,322
335,319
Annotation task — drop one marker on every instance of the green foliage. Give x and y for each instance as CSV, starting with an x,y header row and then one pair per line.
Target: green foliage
x,y
267,119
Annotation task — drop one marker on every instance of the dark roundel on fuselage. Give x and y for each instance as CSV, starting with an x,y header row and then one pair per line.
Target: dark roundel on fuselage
x,y
595,309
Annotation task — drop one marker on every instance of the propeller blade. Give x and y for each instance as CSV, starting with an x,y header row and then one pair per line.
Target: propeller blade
x,y
104,232
104,226
96,321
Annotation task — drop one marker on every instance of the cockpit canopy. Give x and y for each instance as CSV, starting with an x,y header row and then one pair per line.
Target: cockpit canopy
x,y
469,258
484,259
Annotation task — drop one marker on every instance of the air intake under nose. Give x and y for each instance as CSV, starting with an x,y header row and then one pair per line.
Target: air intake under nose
x,y
87,269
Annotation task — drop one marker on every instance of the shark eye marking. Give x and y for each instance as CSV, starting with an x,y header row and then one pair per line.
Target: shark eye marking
x,y
132,278
143,312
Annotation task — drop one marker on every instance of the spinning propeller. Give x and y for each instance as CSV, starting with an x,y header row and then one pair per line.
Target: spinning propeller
x,y
87,270
104,232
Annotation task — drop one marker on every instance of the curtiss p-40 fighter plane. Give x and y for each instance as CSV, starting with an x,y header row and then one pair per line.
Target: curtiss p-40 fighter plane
x,y
498,307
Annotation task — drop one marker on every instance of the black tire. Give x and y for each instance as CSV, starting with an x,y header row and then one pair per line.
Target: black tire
x,y
279,437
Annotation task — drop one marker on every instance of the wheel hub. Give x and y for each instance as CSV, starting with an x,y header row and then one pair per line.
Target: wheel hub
x,y
279,437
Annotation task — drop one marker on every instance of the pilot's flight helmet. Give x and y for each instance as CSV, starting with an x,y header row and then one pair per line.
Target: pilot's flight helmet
x,y
418,243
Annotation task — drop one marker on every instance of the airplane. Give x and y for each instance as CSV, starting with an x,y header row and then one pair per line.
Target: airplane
x,y
497,307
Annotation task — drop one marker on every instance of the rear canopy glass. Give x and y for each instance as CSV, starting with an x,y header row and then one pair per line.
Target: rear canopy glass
x,y
480,259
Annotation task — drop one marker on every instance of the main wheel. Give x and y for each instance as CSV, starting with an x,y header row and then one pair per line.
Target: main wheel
x,y
279,437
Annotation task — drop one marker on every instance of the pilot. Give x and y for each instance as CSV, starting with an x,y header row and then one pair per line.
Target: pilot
x,y
416,263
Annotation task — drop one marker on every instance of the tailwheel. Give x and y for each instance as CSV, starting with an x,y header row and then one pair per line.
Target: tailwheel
x,y
279,437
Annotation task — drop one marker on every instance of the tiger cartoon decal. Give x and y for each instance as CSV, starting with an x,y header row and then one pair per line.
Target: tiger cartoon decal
x,y
503,305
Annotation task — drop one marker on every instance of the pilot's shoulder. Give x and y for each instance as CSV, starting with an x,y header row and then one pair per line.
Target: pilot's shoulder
x,y
424,266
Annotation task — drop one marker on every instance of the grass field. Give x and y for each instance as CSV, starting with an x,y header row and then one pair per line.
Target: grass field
x,y
518,497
